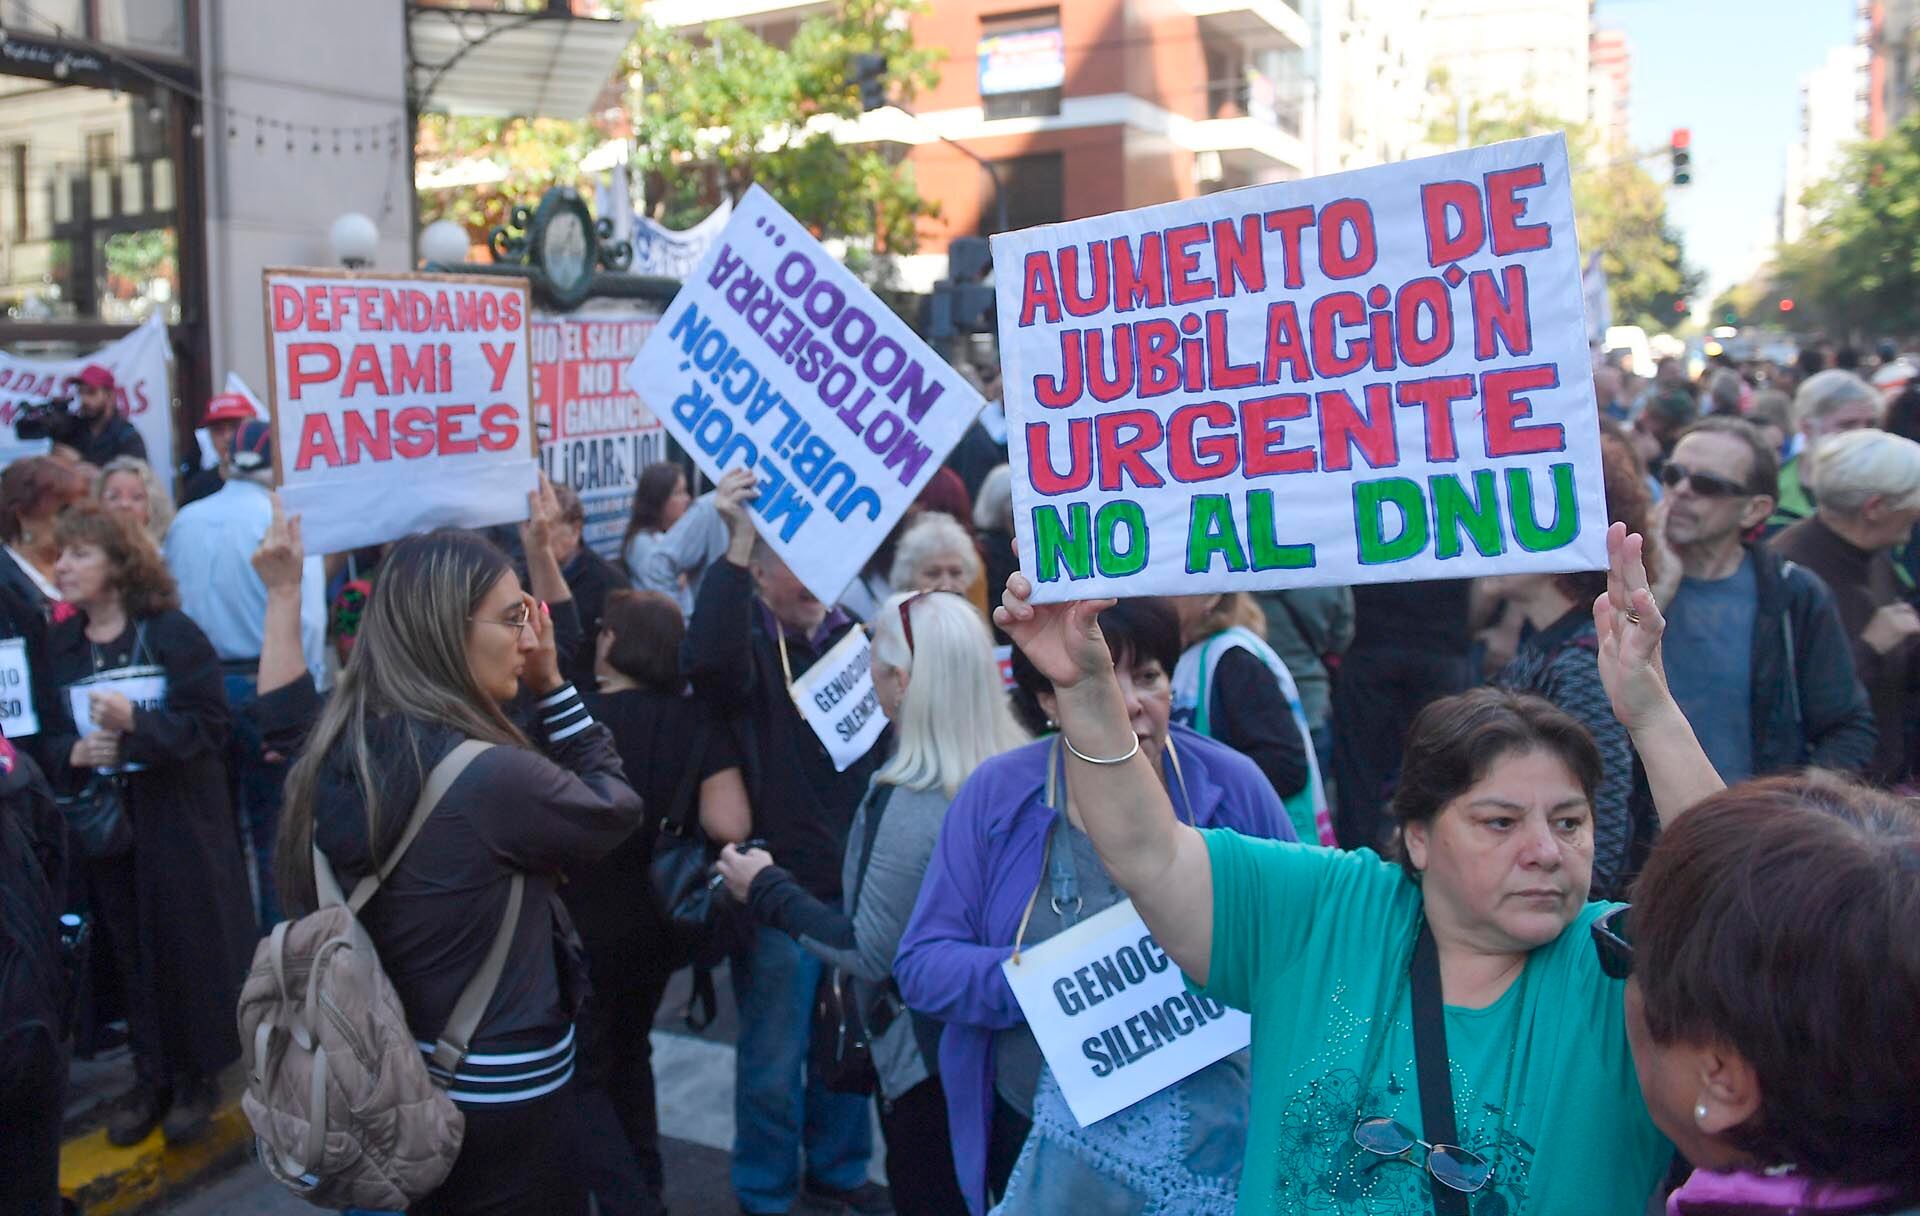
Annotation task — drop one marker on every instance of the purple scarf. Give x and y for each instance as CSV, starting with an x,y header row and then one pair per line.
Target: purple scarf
x,y
1706,1193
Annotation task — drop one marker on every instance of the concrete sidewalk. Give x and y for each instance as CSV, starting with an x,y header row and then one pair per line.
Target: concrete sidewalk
x,y
100,1179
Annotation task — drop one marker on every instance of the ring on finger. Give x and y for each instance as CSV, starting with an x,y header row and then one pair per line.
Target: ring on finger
x,y
1633,618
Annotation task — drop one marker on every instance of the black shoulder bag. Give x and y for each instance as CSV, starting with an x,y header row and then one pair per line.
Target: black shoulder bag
x,y
1430,1063
841,1046
702,921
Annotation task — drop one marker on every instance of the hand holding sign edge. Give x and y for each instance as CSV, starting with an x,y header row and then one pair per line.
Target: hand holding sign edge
x,y
1062,640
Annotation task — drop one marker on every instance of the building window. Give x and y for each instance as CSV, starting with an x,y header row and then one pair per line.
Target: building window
x,y
1022,64
1036,192
17,192
144,26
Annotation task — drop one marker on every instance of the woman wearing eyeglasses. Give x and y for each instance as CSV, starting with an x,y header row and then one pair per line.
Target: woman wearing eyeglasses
x,y
1370,982
1794,1090
935,676
448,639
1014,866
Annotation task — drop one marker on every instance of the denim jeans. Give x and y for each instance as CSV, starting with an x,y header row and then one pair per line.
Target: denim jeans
x,y
779,1110
257,784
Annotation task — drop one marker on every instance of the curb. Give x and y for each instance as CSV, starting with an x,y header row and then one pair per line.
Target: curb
x,y
101,1179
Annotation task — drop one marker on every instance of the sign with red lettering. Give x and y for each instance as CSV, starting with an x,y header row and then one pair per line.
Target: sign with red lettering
x,y
142,367
595,434
400,402
1375,376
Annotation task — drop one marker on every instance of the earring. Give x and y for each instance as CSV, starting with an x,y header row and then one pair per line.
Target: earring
x,y
1699,1112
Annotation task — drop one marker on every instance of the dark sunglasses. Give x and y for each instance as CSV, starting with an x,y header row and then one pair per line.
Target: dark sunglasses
x,y
1613,942
1451,1166
1706,485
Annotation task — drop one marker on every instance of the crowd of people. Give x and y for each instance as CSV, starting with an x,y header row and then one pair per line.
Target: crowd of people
x,y
1394,823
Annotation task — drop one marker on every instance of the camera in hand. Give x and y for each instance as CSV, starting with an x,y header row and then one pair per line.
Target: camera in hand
x,y
51,419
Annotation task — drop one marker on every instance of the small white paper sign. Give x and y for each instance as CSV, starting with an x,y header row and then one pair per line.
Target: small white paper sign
x,y
17,716
146,687
836,698
1113,1015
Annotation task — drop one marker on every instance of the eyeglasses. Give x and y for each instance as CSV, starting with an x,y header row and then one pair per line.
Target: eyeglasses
x,y
1451,1166
1614,945
906,620
517,622
1706,485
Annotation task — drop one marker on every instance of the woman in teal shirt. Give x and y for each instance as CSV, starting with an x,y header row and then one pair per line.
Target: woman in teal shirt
x,y
1318,945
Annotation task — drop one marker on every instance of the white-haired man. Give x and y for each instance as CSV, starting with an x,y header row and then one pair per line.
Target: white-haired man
x,y
1828,403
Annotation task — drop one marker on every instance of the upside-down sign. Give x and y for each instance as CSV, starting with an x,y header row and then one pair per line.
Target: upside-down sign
x,y
401,402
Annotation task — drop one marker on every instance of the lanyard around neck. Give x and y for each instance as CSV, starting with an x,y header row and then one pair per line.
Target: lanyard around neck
x,y
1056,786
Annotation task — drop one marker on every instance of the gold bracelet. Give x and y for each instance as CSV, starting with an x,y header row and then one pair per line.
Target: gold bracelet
x,y
1080,755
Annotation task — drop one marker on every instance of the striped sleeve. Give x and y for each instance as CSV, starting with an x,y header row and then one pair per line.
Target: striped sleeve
x,y
562,714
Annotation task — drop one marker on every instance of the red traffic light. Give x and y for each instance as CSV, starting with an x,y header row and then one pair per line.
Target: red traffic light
x,y
1679,306
1682,137
1786,305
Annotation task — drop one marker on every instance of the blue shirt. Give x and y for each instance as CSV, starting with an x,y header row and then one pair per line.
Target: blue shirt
x,y
210,551
1709,649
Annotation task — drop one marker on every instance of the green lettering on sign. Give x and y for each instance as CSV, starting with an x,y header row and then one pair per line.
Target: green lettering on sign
x,y
1057,544
1113,561
1455,513
1566,510
1268,552
1369,499
1211,533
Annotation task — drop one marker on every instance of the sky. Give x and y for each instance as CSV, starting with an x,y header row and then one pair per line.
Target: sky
x,y
1730,71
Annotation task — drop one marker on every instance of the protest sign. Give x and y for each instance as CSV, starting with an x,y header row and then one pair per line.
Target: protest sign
x,y
595,435
400,402
1113,1015
18,716
774,358
673,253
142,367
1370,377
836,697
142,683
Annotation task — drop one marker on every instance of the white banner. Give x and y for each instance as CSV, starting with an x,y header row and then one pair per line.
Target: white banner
x,y
836,698
1371,377
141,364
401,402
145,686
18,716
774,358
673,253
1113,1015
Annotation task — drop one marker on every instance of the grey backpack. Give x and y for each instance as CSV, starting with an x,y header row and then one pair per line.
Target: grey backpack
x,y
338,1092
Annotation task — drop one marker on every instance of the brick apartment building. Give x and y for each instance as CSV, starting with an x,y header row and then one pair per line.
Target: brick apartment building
x,y
1083,106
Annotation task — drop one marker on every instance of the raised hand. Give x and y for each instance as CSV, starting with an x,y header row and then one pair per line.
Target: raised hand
x,y
543,661
736,489
542,528
280,559
1063,641
1629,624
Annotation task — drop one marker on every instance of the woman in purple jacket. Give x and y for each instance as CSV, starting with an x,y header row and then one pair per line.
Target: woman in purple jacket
x,y
985,872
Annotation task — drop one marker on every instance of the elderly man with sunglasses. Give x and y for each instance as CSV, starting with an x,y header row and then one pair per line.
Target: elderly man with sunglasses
x,y
1756,655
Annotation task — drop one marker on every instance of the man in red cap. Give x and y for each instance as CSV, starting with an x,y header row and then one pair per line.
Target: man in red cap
x,y
224,415
104,433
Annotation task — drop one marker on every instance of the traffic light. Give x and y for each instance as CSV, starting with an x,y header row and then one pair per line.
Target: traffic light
x,y
961,303
1680,306
869,75
1681,150
1786,305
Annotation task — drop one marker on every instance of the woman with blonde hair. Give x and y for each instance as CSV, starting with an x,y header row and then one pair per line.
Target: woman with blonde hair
x,y
127,486
934,674
1230,685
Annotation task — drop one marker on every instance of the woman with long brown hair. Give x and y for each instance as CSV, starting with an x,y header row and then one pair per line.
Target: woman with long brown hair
x,y
447,640
152,717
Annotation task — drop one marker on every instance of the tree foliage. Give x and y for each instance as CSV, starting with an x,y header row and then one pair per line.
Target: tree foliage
x,y
1620,208
1856,271
727,109
534,154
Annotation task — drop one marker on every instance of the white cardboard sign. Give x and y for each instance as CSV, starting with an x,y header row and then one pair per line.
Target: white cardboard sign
x,y
18,718
142,367
1113,1015
145,686
1374,376
774,358
837,699
400,402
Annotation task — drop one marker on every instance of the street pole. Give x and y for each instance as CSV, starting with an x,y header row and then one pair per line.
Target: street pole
x,y
993,171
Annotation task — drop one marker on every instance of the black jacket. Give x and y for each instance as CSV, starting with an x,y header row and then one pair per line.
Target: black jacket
x,y
117,438
1808,705
801,807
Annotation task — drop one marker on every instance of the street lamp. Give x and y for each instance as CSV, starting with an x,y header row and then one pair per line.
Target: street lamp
x,y
354,239
444,243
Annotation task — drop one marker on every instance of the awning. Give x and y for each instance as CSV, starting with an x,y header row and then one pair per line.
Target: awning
x,y
492,64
